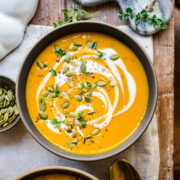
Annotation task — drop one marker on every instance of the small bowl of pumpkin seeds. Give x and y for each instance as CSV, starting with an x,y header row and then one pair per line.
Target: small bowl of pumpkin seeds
x,y
9,114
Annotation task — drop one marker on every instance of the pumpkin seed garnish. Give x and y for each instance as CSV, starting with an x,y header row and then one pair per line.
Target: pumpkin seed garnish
x,y
72,143
72,114
45,93
49,97
78,44
43,115
8,108
40,65
65,105
45,64
73,47
65,67
67,58
74,134
42,107
70,73
73,63
66,96
95,132
91,112
112,83
114,57
70,82
87,99
78,98
83,67
50,88
101,83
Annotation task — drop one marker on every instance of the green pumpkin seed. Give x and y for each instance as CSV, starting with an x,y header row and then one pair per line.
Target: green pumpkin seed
x,y
69,130
66,97
91,112
49,97
70,82
67,58
78,98
83,60
73,63
5,125
95,132
112,83
65,105
51,89
70,73
10,94
1,90
114,57
65,67
89,44
78,44
45,64
88,94
73,47
74,134
72,114
72,143
45,93
40,65
101,83
83,67
42,107
43,115
87,99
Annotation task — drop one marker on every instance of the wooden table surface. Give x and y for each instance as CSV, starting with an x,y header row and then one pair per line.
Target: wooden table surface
x,y
49,11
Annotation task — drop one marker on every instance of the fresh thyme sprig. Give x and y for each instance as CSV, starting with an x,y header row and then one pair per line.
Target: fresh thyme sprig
x,y
73,15
143,16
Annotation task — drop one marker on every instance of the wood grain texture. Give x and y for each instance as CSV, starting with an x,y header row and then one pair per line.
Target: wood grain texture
x,y
49,11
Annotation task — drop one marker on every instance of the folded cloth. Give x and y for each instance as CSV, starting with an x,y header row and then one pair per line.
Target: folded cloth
x,y
21,153
14,16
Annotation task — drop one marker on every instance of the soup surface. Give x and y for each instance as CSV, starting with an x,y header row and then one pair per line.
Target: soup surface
x,y
87,93
57,177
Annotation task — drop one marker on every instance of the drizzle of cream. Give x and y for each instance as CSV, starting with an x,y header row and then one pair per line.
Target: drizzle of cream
x,y
94,67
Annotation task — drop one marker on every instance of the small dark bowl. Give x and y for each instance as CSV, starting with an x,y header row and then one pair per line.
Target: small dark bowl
x,y
82,27
56,170
11,84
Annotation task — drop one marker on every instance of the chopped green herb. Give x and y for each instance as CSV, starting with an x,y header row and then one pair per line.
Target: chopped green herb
x,y
57,93
87,73
80,115
53,72
100,54
55,25
59,51
42,100
143,16
72,15
82,85
89,85
83,124
94,45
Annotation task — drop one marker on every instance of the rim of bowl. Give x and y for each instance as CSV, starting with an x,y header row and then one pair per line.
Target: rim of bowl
x,y
49,169
116,150
10,83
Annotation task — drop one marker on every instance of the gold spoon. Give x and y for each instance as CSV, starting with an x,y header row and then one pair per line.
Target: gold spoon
x,y
123,170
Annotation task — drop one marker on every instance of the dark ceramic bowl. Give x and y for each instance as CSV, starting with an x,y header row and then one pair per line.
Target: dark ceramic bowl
x,y
10,83
56,170
80,27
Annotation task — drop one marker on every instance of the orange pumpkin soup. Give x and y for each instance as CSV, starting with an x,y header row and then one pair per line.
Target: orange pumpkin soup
x,y
57,177
87,93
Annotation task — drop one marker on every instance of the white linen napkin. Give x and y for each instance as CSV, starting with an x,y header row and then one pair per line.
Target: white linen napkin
x,y
19,152
14,16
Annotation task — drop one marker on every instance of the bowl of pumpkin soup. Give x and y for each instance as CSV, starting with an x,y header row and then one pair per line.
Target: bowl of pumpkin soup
x,y
86,91
56,173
